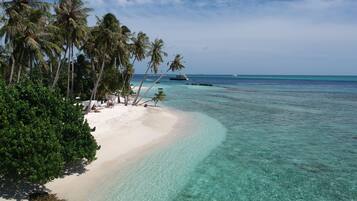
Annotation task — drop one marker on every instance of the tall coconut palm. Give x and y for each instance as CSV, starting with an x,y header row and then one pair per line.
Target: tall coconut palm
x,y
139,47
12,25
123,52
126,89
103,40
175,65
157,55
25,33
36,41
72,17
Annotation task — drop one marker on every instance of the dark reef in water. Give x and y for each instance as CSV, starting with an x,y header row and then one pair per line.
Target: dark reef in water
x,y
200,84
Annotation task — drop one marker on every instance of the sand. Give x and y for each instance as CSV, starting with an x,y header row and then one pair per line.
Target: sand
x,y
124,133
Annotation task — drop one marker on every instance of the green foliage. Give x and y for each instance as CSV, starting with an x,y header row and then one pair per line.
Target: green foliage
x,y
159,96
156,55
176,64
40,133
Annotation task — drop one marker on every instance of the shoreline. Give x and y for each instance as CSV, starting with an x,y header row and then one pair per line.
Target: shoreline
x,y
126,134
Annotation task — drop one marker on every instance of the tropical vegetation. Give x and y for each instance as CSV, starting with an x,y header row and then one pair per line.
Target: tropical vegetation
x,y
50,59
53,44
40,133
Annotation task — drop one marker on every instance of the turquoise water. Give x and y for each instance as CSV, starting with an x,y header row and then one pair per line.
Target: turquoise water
x,y
285,138
161,174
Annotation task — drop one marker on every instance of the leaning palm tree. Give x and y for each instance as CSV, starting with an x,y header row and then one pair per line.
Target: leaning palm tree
x,y
159,96
175,65
122,56
139,47
72,17
100,46
156,54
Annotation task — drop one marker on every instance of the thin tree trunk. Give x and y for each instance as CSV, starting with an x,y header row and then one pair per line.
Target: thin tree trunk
x,y
20,68
19,74
59,68
51,70
146,102
125,80
141,85
12,68
72,76
68,71
30,64
57,72
95,88
158,79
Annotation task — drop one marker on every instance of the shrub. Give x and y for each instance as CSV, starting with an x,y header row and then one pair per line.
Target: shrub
x,y
40,133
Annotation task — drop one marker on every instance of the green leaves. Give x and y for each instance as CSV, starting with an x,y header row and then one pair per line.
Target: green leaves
x,y
159,96
40,133
156,54
176,64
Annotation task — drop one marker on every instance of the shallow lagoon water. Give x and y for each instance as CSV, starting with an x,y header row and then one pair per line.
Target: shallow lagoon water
x,y
287,138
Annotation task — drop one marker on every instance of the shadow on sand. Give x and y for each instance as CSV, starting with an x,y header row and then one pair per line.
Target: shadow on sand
x,y
20,190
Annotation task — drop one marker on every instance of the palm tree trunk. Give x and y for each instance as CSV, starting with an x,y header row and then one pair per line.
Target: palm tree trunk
x,y
141,85
125,80
51,70
158,79
72,76
12,68
20,68
146,102
95,88
68,71
19,74
58,68
55,80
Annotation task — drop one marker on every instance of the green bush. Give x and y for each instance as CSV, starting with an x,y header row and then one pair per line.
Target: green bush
x,y
40,133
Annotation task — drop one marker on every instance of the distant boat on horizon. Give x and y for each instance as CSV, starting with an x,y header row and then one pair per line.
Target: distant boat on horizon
x,y
180,77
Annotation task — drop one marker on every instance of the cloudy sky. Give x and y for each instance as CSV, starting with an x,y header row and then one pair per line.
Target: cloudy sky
x,y
247,36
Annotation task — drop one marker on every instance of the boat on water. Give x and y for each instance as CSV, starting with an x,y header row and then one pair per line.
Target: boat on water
x,y
179,77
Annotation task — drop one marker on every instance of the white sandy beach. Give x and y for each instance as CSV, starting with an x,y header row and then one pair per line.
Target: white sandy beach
x,y
124,133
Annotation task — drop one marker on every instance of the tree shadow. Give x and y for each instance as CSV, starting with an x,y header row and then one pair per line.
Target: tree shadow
x,y
19,190
75,168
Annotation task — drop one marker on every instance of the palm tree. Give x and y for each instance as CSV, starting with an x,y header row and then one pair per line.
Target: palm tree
x,y
156,54
36,40
122,56
25,32
126,89
12,26
103,40
139,47
175,65
58,57
159,96
72,18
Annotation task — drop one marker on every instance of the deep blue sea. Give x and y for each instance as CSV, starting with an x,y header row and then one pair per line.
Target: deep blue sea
x,y
261,138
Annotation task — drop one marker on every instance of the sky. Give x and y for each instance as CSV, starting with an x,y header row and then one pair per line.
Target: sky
x,y
311,37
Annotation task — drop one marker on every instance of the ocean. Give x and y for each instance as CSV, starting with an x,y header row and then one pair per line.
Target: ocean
x,y
260,138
